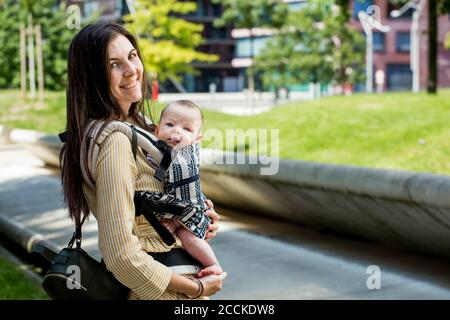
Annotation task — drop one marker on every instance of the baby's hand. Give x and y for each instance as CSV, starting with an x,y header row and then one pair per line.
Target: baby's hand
x,y
209,270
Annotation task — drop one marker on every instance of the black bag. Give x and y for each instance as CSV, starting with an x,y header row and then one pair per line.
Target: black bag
x,y
74,275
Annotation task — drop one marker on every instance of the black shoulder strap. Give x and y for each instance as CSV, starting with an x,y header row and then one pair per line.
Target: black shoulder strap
x,y
63,136
142,208
182,182
165,161
134,142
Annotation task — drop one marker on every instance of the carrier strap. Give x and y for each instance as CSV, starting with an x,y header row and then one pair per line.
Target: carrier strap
x,y
161,154
63,136
97,131
182,182
144,209
134,143
167,153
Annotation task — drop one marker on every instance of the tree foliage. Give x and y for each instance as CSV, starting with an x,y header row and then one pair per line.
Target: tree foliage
x,y
315,45
167,41
252,13
56,38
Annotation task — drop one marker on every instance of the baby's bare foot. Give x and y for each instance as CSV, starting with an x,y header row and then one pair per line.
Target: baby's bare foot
x,y
209,270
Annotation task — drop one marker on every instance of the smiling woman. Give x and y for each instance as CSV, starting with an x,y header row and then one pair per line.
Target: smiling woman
x,y
126,72
106,83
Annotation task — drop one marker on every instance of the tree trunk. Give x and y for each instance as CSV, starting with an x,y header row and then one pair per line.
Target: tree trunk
x,y
432,45
250,74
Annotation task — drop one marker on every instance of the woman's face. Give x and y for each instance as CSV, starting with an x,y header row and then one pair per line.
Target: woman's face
x,y
126,72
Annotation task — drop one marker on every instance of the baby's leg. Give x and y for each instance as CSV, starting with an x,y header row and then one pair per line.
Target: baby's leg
x,y
200,250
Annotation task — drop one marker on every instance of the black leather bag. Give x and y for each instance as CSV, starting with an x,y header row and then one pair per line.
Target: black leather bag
x,y
74,275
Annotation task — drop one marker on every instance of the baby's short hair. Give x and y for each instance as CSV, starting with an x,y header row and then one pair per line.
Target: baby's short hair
x,y
183,103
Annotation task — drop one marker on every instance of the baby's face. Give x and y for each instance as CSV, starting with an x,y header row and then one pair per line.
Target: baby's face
x,y
179,126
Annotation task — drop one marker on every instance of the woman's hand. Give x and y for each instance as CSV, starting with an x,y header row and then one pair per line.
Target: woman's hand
x,y
212,284
215,218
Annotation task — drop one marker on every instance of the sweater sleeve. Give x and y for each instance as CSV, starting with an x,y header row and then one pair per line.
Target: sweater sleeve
x,y
121,250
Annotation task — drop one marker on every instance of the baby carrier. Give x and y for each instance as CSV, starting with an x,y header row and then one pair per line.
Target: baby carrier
x,y
96,281
183,188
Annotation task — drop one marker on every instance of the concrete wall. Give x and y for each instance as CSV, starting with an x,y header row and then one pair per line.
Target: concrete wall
x,y
396,208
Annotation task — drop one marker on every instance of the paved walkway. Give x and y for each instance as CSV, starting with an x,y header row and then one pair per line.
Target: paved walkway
x,y
265,259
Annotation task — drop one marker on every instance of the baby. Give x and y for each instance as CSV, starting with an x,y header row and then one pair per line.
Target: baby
x,y
180,127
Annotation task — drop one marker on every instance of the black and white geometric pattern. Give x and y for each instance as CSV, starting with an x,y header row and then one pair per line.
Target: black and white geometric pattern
x,y
186,165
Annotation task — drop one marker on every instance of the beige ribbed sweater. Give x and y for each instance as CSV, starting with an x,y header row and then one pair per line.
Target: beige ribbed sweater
x,y
124,239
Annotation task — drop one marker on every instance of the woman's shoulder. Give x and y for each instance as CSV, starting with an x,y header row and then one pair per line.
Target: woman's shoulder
x,y
115,141
115,148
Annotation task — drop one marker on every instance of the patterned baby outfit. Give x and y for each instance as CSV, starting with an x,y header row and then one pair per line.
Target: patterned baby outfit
x,y
183,198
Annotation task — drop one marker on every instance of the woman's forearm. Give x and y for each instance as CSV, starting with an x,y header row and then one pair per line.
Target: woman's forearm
x,y
183,285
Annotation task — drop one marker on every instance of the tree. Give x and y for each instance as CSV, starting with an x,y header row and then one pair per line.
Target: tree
x,y
56,38
316,45
250,14
167,41
432,47
275,65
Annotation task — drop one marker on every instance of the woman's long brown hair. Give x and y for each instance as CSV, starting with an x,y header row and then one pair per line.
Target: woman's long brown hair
x,y
89,97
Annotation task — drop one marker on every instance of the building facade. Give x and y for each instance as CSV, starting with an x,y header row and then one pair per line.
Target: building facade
x,y
243,55
391,58
217,76
109,10
392,50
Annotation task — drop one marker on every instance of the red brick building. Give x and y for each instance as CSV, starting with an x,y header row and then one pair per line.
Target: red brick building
x,y
392,49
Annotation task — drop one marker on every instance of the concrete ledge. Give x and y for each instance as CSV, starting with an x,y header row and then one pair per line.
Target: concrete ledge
x,y
392,184
396,208
44,146
4,135
23,235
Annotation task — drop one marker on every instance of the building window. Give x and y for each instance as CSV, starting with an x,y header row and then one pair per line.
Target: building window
x,y
378,41
217,33
402,41
217,10
399,77
243,46
104,7
361,5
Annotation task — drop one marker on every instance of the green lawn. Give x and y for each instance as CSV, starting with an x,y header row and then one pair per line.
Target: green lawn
x,y
48,117
392,130
14,285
